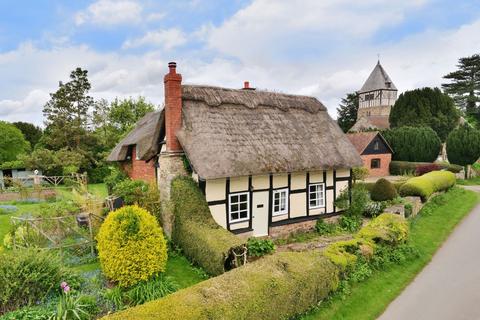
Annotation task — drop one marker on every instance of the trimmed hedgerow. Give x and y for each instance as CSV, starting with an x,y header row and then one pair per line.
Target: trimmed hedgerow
x,y
383,190
202,240
405,167
131,246
424,186
387,228
279,286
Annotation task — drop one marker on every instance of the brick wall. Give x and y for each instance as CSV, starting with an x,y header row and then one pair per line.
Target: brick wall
x,y
139,169
173,107
385,160
292,228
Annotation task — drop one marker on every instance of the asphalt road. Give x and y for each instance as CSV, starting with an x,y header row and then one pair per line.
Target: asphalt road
x,y
448,288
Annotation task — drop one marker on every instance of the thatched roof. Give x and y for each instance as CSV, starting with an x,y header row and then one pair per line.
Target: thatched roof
x,y
145,136
370,122
377,80
229,133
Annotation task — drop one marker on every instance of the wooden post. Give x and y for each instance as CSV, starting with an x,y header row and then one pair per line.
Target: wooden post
x,y
91,232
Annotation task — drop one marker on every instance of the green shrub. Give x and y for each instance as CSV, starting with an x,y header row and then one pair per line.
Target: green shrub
x,y
202,240
324,228
115,177
383,190
373,209
279,286
350,223
259,247
131,246
28,276
404,167
131,191
29,313
427,184
359,199
153,289
344,253
420,144
387,228
359,173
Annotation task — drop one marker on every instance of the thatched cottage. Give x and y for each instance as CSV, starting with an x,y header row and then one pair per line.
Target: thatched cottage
x,y
267,162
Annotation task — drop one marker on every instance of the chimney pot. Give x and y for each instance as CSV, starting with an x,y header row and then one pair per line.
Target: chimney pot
x,y
172,66
246,85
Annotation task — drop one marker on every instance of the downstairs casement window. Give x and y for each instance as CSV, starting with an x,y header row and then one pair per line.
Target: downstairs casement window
x,y
316,195
280,202
239,207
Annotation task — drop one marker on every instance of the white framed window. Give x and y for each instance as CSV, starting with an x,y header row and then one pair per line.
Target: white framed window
x,y
280,202
316,195
239,204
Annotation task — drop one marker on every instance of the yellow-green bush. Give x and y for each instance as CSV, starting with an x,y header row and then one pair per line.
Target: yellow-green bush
x,y
131,246
202,240
344,253
279,286
427,184
387,228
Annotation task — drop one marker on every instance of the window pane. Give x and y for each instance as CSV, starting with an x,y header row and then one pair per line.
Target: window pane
x,y
234,215
243,197
243,206
234,198
276,202
234,207
243,214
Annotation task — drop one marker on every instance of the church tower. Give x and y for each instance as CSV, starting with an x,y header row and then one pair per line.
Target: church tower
x,y
376,98
377,95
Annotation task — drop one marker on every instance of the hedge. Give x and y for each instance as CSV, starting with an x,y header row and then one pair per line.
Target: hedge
x,y
202,240
405,167
369,185
279,286
427,184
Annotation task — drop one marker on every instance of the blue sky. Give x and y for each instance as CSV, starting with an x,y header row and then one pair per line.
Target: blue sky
x,y
321,48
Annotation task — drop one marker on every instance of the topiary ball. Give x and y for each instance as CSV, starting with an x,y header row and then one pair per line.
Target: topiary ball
x,y
383,190
131,246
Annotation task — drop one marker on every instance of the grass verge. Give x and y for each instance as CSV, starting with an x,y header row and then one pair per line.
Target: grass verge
x,y
428,231
469,182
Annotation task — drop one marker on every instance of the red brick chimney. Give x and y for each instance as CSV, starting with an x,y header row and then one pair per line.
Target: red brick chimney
x,y
173,107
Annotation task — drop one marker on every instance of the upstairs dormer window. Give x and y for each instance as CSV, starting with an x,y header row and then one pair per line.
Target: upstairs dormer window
x,y
369,97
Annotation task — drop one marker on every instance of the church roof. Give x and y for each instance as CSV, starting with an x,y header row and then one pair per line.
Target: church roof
x,y
377,80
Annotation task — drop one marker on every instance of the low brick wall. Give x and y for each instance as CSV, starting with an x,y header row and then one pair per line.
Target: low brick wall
x,y
287,229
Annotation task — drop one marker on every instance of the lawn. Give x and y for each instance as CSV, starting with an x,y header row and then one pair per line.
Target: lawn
x,y
469,182
429,230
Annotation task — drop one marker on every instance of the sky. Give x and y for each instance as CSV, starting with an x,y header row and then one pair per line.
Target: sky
x,y
321,48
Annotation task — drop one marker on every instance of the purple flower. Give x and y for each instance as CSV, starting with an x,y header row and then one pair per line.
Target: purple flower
x,y
63,285
66,289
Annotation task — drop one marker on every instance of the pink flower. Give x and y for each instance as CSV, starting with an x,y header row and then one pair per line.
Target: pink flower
x,y
63,285
66,289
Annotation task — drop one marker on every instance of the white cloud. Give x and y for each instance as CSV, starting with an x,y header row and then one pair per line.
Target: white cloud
x,y
167,39
110,13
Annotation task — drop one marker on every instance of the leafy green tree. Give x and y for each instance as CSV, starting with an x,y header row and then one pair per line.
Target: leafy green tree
x,y
12,142
67,113
31,132
464,84
417,144
463,146
347,111
125,113
425,107
58,162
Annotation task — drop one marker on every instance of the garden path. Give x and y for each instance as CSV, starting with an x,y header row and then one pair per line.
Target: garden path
x,y
449,286
313,244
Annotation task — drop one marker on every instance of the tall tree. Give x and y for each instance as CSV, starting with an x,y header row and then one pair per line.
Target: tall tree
x,y
31,132
67,113
125,113
12,142
464,84
463,146
425,107
418,144
347,111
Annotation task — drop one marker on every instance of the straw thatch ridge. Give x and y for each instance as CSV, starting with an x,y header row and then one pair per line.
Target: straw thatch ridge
x,y
229,133
145,136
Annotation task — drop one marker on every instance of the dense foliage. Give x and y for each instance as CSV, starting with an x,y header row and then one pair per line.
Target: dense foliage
x,y
259,247
202,240
28,277
425,107
418,144
131,191
405,167
31,132
424,186
465,84
383,190
463,145
131,246
359,173
12,142
347,111
277,286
